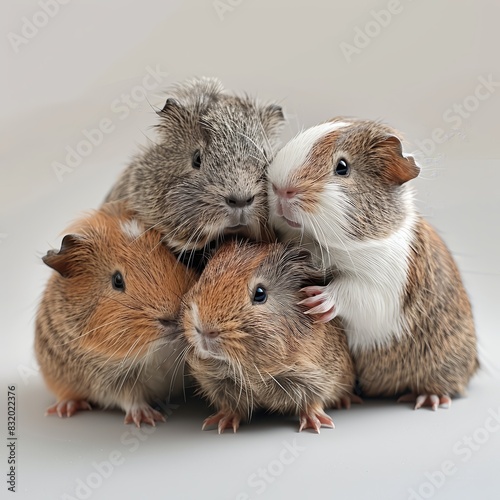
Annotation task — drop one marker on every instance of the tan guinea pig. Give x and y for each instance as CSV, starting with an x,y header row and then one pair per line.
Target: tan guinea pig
x,y
104,326
251,346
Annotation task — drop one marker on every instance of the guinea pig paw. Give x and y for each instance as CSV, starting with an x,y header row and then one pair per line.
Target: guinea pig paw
x,y
315,419
224,420
432,400
320,302
347,401
146,414
68,407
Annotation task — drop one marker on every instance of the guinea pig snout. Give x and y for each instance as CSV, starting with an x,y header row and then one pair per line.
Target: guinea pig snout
x,y
239,201
207,332
286,193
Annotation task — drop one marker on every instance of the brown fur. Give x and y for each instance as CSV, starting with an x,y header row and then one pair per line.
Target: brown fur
x,y
310,179
103,345
375,153
429,345
438,355
268,355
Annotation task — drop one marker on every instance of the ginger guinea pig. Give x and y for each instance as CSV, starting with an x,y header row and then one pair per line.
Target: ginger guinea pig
x,y
341,189
251,346
104,325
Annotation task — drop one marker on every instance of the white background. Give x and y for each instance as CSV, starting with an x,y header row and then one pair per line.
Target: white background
x,y
412,72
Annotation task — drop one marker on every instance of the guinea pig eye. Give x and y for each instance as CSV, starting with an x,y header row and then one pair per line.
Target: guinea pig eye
x,y
196,162
118,281
260,295
342,168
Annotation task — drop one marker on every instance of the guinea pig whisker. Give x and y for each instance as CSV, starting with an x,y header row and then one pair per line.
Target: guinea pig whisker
x,y
197,233
89,332
327,224
123,303
260,374
145,231
299,406
266,138
316,229
117,335
130,350
179,361
239,377
139,371
131,363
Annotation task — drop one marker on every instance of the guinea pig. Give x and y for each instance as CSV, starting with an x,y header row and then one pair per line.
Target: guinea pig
x,y
341,189
249,344
205,176
104,326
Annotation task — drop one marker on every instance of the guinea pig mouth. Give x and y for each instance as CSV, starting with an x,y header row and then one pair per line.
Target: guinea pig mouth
x,y
235,228
207,347
292,223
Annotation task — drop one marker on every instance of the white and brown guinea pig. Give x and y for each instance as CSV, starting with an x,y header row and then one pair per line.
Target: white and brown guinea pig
x,y
105,324
340,188
251,346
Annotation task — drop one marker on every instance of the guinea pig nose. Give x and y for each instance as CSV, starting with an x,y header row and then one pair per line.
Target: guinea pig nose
x,y
212,334
208,333
239,202
287,192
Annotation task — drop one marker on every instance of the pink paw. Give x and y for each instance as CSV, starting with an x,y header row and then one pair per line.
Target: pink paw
x,y
432,400
315,419
224,420
68,407
145,414
320,302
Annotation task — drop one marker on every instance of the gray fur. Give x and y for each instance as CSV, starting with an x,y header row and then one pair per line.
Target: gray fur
x,y
237,138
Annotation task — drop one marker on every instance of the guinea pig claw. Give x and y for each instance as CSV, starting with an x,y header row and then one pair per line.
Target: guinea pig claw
x,y
312,291
320,304
347,401
144,414
224,420
315,419
68,407
432,400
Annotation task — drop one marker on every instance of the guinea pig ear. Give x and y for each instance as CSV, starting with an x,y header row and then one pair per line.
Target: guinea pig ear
x,y
171,106
273,121
303,259
60,260
195,94
401,168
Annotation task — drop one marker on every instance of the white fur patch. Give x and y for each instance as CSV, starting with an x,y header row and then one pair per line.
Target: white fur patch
x,y
293,155
372,277
131,228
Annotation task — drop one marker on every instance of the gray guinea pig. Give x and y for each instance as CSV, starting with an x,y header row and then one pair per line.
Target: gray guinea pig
x,y
205,176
